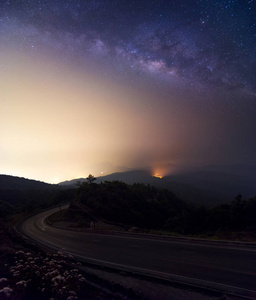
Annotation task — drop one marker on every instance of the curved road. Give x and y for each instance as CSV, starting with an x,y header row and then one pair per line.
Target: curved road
x,y
220,266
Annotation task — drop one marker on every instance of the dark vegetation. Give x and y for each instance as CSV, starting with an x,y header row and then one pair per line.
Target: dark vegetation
x,y
147,207
134,205
26,273
20,195
209,186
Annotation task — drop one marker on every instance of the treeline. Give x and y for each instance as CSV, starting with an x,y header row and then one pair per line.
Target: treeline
x,y
14,201
239,215
136,205
145,206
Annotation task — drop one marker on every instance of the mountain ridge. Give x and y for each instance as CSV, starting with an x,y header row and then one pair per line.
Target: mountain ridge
x,y
210,185
10,182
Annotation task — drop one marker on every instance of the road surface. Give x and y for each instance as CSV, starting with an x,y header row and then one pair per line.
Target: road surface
x,y
220,266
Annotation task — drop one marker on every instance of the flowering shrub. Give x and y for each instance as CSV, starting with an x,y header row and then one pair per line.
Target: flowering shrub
x,y
50,277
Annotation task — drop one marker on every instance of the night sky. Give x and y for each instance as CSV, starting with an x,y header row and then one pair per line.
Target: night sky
x,y
101,86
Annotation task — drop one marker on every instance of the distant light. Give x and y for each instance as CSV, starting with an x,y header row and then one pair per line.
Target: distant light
x,y
157,176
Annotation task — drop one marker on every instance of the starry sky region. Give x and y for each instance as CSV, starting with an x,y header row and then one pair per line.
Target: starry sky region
x,y
104,86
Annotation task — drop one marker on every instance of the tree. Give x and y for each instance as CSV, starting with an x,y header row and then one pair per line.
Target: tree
x,y
91,178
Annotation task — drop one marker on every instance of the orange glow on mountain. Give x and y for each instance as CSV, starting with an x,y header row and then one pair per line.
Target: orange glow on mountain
x,y
161,170
158,172
157,176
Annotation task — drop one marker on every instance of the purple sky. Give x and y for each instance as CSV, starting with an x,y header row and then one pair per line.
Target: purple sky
x,y
100,86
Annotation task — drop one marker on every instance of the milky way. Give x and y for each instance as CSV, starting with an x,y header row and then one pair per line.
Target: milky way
x,y
189,67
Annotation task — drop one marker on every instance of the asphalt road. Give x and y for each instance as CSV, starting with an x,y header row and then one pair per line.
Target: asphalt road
x,y
221,266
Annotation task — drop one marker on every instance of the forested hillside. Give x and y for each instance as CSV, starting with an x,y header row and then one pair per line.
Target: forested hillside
x,y
25,195
133,205
148,207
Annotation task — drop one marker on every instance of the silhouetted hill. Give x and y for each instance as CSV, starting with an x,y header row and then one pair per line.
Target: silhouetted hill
x,y
21,194
209,185
20,183
222,184
242,170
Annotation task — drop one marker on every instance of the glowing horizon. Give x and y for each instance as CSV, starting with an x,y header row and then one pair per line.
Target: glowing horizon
x,y
90,125
99,89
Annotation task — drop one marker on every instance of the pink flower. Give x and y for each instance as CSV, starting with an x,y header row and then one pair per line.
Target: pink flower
x,y
22,283
7,291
